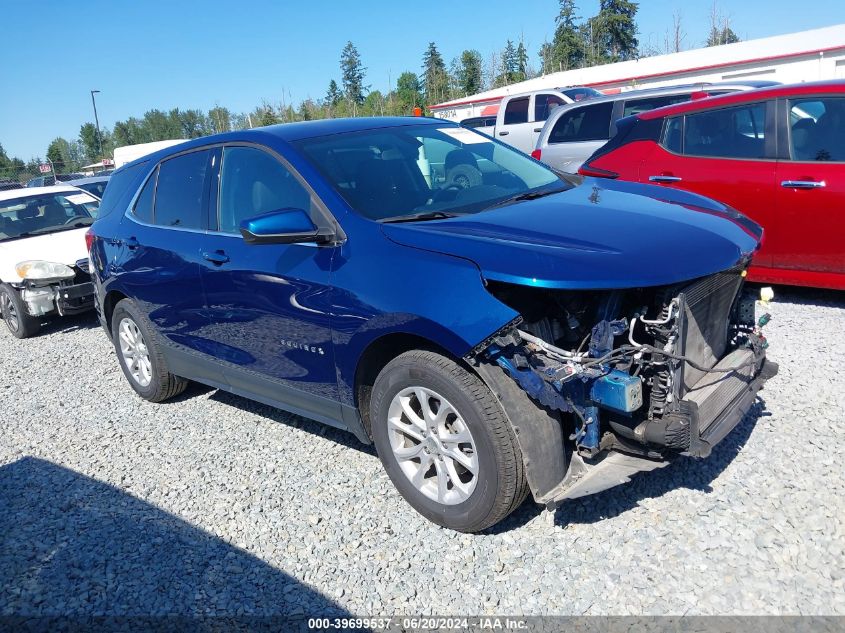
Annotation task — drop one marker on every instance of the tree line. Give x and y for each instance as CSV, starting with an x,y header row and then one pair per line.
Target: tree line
x,y
609,36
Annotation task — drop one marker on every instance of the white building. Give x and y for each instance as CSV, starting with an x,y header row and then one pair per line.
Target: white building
x,y
792,58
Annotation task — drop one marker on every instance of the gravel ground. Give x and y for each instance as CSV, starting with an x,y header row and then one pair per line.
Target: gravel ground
x,y
214,504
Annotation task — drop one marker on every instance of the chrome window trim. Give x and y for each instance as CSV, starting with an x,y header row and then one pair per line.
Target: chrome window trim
x,y
325,214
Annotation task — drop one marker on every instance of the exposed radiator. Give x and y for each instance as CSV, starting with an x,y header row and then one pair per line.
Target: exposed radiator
x,y
714,392
707,317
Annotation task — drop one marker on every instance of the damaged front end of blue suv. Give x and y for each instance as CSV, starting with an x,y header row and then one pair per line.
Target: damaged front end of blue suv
x,y
493,330
635,339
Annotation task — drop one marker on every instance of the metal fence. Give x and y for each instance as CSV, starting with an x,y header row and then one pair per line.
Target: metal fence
x,y
11,178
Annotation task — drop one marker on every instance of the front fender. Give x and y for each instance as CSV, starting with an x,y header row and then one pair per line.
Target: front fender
x,y
395,289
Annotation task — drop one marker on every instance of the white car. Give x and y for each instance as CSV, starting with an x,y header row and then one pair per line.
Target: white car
x,y
43,256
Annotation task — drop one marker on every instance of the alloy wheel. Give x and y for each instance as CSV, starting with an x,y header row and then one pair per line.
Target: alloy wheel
x,y
432,445
134,350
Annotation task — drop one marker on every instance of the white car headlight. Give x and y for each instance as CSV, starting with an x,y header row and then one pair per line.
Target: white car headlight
x,y
38,270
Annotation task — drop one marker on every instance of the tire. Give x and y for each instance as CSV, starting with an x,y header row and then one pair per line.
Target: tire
x,y
464,176
133,337
20,323
477,501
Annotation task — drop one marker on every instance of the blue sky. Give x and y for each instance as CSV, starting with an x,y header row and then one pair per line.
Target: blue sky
x,y
174,53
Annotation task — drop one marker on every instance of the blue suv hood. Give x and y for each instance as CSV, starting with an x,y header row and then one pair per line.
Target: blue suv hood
x,y
601,234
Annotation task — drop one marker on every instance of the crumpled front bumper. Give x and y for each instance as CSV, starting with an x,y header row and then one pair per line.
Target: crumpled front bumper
x,y
75,299
64,299
706,430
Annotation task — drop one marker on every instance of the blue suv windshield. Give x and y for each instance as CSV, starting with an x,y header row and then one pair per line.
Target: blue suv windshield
x,y
425,171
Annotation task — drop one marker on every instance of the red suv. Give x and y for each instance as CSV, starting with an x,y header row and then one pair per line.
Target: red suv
x,y
776,154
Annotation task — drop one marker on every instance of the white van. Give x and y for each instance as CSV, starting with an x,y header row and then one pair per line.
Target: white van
x,y
128,153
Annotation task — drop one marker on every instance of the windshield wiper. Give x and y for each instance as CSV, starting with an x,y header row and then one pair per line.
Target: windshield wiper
x,y
416,217
526,195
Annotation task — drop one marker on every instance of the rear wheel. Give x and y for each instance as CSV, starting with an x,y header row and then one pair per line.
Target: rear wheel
x,y
445,442
17,319
141,357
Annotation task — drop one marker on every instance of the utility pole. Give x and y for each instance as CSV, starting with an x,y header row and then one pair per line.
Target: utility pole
x,y
97,122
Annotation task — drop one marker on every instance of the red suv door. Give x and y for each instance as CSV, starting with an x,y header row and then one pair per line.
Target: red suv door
x,y
811,193
727,154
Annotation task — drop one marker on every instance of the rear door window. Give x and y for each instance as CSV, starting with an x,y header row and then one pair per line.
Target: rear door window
x,y
181,197
544,104
817,129
587,123
737,132
517,111
121,187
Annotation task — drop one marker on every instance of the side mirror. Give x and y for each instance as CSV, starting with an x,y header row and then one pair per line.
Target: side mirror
x,y
283,226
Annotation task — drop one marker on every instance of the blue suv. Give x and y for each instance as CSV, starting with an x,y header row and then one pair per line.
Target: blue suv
x,y
492,329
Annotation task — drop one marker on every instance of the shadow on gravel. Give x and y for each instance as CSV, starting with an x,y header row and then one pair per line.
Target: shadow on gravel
x,y
684,472
70,545
84,321
344,438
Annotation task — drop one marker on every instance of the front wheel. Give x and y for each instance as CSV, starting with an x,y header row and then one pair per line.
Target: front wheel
x,y
140,355
13,309
445,442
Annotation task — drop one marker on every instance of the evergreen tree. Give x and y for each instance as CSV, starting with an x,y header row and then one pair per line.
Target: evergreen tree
x,y
566,50
264,115
615,30
333,95
352,74
521,69
507,66
469,75
509,62
435,79
719,36
720,28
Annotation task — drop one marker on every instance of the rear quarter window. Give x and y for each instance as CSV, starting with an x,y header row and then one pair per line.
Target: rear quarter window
x,y
144,204
635,106
587,123
121,187
673,135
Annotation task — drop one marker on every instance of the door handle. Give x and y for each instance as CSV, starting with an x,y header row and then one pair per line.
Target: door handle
x,y
505,133
538,129
664,179
132,243
803,184
218,258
